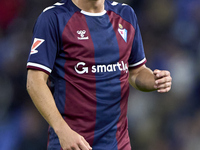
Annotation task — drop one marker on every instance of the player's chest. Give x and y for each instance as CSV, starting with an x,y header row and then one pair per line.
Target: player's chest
x,y
99,36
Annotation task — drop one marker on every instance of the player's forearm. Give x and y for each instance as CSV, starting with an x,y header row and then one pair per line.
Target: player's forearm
x,y
143,80
44,102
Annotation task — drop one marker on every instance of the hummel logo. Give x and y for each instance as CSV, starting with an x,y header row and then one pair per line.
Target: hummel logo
x,y
82,34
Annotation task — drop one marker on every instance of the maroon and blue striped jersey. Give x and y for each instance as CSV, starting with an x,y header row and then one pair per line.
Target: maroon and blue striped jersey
x,y
87,56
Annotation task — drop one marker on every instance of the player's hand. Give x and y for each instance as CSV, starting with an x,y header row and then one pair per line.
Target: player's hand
x,y
70,140
163,80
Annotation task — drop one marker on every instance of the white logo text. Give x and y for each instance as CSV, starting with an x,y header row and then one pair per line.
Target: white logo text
x,y
121,66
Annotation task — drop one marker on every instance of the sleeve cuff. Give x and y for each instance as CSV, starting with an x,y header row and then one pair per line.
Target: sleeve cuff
x,y
40,67
140,63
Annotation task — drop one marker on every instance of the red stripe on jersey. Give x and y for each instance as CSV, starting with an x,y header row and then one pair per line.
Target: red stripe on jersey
x,y
80,105
122,125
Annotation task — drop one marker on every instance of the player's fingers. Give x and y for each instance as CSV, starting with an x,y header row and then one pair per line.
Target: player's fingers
x,y
86,143
156,71
164,85
164,90
163,80
159,74
82,145
74,147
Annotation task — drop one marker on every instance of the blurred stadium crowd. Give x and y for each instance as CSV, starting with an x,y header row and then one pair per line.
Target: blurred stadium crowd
x,y
171,36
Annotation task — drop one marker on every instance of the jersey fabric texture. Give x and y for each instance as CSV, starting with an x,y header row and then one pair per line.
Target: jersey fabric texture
x,y
87,56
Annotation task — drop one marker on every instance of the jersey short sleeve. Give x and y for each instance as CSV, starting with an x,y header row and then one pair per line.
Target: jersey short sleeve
x,y
44,43
137,56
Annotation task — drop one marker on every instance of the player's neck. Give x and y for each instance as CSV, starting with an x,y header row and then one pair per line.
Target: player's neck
x,y
92,6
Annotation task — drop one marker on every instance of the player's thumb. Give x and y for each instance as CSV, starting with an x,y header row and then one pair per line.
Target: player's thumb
x,y
156,71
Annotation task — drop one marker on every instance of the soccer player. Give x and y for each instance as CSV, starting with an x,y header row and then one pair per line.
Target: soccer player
x,y
88,51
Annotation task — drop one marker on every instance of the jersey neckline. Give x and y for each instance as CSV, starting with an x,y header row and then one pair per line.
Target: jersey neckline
x,y
93,14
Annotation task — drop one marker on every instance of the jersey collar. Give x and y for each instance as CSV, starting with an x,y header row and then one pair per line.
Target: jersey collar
x,y
93,14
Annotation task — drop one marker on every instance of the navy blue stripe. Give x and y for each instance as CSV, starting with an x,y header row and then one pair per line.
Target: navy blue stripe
x,y
108,89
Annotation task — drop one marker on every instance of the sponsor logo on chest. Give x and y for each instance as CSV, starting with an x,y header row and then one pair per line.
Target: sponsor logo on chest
x,y
82,68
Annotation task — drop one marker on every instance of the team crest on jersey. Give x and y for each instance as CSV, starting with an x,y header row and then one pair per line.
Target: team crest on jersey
x,y
36,43
82,35
123,32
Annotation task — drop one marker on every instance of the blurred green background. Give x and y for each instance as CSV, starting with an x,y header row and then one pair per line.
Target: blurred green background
x,y
171,36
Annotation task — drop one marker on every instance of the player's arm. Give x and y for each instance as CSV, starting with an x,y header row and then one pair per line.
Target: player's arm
x,y
44,102
144,79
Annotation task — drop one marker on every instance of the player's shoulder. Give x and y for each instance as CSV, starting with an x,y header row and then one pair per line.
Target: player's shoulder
x,y
125,11
119,8
58,9
55,8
